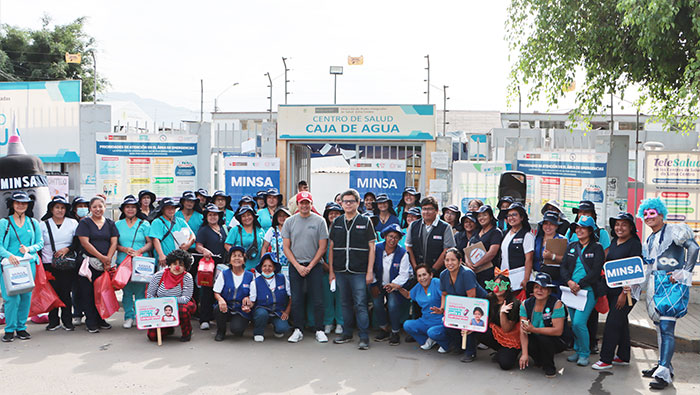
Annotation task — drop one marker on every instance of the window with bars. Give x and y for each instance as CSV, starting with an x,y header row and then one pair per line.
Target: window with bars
x,y
411,153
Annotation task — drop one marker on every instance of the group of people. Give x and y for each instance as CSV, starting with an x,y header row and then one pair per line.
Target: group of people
x,y
296,267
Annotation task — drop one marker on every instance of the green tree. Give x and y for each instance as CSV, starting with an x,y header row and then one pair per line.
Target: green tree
x,y
652,46
36,55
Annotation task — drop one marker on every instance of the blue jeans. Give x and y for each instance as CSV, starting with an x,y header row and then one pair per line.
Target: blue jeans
x,y
353,296
261,317
132,292
579,325
394,302
418,329
313,283
448,337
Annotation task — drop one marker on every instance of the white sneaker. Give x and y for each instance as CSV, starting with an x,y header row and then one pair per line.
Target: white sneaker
x,y
77,321
428,344
321,337
128,323
259,338
204,326
297,336
328,329
442,350
338,329
482,346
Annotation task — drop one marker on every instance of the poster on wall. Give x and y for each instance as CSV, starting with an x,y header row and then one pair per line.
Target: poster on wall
x,y
476,180
568,177
47,115
128,163
247,175
379,176
675,178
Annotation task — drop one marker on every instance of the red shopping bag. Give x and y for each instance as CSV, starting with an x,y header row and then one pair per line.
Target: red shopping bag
x,y
44,298
105,298
205,273
123,274
601,305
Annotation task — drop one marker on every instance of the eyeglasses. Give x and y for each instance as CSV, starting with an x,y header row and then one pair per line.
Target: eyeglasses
x,y
349,201
393,237
428,208
650,214
513,215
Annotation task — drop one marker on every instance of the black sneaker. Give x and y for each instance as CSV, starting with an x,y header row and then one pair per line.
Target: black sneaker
x,y
595,349
550,373
394,339
93,330
219,337
23,335
185,338
649,372
382,336
468,358
410,339
658,384
69,328
105,325
52,327
342,339
9,337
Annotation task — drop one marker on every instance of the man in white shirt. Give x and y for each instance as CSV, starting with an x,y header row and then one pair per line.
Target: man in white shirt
x,y
392,270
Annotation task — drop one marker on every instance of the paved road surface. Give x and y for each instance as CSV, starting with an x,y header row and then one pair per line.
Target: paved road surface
x,y
123,361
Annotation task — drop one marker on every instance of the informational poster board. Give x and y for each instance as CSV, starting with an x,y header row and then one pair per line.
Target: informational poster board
x,y
379,176
128,163
247,175
476,180
470,314
157,313
568,177
675,178
58,184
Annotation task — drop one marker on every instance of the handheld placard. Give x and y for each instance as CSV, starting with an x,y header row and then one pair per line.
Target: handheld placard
x,y
624,272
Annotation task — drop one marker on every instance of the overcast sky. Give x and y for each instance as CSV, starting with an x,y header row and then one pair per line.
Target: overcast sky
x,y
160,50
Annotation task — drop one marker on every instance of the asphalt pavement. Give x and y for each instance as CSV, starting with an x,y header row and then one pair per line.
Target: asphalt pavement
x,y
124,361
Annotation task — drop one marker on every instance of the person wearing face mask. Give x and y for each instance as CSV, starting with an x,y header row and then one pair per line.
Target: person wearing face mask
x,y
491,237
670,254
456,279
232,289
175,281
616,337
503,203
169,232
133,241
272,297
392,270
22,236
542,323
79,210
58,232
99,238
274,242
580,270
503,334
427,296
409,200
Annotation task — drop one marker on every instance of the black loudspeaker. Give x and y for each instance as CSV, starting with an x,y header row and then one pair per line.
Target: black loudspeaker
x,y
514,184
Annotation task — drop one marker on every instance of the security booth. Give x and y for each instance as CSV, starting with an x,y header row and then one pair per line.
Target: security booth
x,y
382,148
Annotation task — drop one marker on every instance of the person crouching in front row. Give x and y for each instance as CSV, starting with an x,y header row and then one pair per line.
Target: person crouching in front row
x,y
272,296
175,281
232,289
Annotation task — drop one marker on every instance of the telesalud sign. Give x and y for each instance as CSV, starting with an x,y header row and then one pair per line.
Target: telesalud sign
x,y
357,122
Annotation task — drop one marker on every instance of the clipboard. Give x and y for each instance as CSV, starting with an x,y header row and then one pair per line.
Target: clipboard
x,y
474,253
556,246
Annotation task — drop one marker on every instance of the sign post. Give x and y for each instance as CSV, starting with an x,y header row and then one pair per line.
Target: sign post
x,y
624,272
385,175
156,313
467,314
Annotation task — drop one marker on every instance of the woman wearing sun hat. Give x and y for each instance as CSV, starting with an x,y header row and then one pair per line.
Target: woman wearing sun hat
x,y
21,236
210,243
190,212
272,297
247,234
133,241
169,232
384,212
409,199
580,270
223,202
273,200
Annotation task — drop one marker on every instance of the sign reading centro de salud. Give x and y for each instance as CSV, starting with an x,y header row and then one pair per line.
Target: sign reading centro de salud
x,y
357,122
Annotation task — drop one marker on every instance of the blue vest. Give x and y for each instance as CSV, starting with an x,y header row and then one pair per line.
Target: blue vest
x,y
395,263
275,302
234,296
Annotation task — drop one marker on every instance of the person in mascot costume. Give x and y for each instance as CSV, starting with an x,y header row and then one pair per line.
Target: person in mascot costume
x,y
22,172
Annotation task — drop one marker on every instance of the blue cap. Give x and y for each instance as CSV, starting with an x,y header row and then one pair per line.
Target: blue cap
x,y
391,228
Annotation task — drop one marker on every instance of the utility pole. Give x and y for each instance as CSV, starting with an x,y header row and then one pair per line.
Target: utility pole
x,y
612,120
444,109
94,77
201,101
427,91
520,112
284,61
270,97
